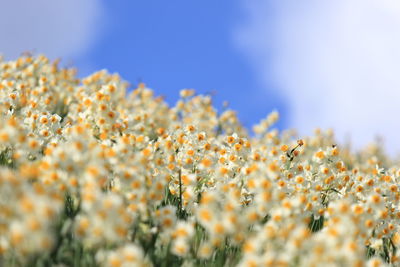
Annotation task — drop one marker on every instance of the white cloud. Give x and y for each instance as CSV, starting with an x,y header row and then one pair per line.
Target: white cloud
x,y
336,62
58,28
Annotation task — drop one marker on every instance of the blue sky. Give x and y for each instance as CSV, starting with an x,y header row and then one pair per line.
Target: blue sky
x,y
328,64
171,45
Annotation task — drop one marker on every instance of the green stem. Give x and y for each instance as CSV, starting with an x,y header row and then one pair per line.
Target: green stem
x,y
180,204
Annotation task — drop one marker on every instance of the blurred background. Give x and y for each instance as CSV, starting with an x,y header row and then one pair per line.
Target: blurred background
x,y
329,64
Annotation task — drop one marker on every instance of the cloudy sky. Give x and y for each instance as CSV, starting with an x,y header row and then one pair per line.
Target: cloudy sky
x,y
331,64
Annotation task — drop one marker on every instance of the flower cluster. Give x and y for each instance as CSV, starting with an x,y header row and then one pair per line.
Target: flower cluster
x,y
93,174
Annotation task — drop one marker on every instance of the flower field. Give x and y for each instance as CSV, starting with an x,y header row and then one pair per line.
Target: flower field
x,y
92,175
